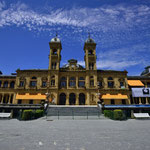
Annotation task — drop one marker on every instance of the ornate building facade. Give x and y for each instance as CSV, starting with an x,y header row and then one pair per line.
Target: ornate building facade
x,y
71,84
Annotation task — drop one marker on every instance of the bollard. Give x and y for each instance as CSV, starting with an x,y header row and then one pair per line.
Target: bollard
x,y
58,115
72,115
87,115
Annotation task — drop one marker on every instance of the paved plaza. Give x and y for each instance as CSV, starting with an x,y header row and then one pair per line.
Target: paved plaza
x,y
102,134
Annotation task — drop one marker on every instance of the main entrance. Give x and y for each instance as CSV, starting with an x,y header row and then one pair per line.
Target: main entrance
x,y
72,99
81,99
62,99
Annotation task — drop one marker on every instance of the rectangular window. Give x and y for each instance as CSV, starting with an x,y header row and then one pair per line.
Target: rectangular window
x,y
110,84
99,84
52,82
33,83
31,101
92,83
81,83
21,83
123,101
148,84
44,84
63,84
72,83
112,101
19,101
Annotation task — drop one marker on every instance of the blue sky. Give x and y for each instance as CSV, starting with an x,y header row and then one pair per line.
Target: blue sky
x,y
121,29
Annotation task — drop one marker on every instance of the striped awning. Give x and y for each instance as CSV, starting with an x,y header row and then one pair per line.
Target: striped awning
x,y
28,96
135,83
118,96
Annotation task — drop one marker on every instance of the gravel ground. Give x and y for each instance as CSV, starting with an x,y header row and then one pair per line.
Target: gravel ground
x,y
74,135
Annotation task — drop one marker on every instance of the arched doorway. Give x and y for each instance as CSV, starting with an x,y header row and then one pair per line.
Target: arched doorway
x,y
81,99
72,99
62,99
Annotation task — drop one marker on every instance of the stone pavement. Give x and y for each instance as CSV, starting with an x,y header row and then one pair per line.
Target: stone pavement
x,y
102,134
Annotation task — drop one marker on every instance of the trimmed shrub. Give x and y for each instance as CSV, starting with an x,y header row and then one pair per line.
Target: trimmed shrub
x,y
32,114
118,115
108,113
39,113
27,115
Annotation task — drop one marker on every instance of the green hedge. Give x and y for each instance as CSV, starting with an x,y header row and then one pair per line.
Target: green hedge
x,y
108,113
118,115
32,114
115,114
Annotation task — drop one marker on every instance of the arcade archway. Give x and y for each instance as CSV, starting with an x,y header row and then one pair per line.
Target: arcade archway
x,y
62,99
72,99
81,99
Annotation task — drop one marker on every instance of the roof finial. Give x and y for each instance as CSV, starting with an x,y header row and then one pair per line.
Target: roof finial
x,y
89,36
56,34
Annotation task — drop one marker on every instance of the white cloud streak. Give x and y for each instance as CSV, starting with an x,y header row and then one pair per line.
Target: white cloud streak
x,y
103,18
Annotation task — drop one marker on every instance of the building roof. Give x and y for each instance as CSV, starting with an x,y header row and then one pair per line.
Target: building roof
x,y
146,71
135,83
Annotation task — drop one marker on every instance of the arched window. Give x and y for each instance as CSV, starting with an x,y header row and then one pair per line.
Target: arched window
x,y
34,78
63,82
122,83
91,66
110,82
12,84
53,81
54,65
44,82
72,82
5,84
0,83
91,81
33,82
81,82
54,51
90,52
100,82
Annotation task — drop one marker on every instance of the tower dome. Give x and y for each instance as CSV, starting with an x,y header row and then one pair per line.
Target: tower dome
x,y
55,39
89,40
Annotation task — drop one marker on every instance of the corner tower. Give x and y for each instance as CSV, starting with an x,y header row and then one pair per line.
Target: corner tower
x,y
55,53
90,54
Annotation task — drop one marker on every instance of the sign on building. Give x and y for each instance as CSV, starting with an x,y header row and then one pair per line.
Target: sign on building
x,y
140,92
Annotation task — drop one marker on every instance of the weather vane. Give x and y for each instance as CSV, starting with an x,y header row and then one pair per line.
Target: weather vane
x,y
89,35
56,34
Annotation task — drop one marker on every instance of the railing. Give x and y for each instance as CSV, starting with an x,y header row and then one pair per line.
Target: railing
x,y
73,115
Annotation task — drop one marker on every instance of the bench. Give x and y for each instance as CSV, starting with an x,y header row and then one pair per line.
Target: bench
x,y
141,115
5,115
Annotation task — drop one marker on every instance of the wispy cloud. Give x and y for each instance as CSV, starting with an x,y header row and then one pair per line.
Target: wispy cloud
x,y
100,19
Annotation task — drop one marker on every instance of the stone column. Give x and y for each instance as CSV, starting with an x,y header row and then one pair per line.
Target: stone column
x,y
147,100
87,102
77,99
67,82
9,98
129,101
2,98
140,100
67,99
77,82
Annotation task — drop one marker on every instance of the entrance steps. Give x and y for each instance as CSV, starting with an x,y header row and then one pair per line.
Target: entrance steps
x,y
67,110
